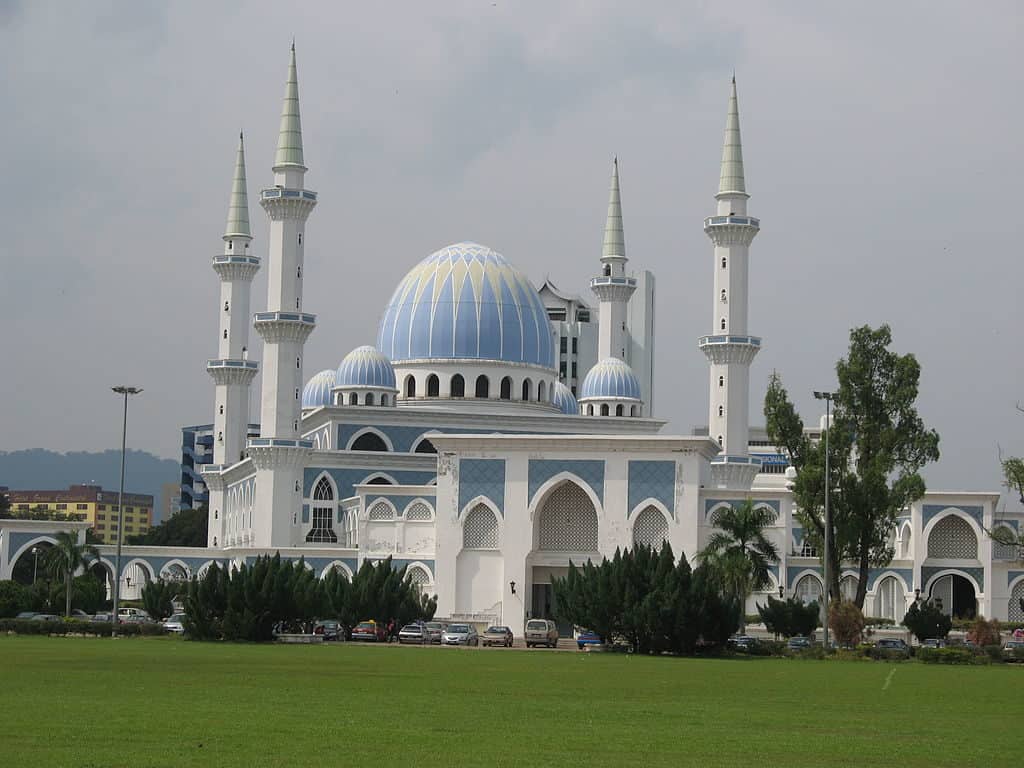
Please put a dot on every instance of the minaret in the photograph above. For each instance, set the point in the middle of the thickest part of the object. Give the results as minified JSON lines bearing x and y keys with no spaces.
{"x":612,"y":287}
{"x":232,"y":371}
{"x":730,"y":349}
{"x":279,"y":454}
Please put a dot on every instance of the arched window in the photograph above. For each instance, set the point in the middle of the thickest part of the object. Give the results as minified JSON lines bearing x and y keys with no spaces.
{"x":1000,"y":550}
{"x":542,"y":392}
{"x":908,"y":541}
{"x":721,"y":411}
{"x":353,"y":398}
{"x":419,"y":512}
{"x":379,"y":480}
{"x":885,"y":599}
{"x":723,"y":296}
{"x":650,"y":528}
{"x":725,"y":262}
{"x":225,"y":333}
{"x":721,"y":381}
{"x":720,"y":441}
{"x":619,"y":410}
{"x":369,"y":398}
{"x":808,"y":590}
{"x":418,"y":577}
{"x":410,"y":386}
{"x":369,"y":441}
{"x":226,"y":306}
{"x":723,"y":323}
{"x":848,"y":588}
{"x":607,"y":270}
{"x":480,"y":528}
{"x":433,"y":386}
{"x":381,"y":510}
{"x":383,"y":399}
{"x":1017,"y":602}
{"x":604,"y":409}
{"x":567,"y":521}
{"x":632,"y":411}
{"x":458,"y":386}
{"x":322,"y":530}
{"x":483,"y":386}
{"x":527,"y":390}
{"x":506,"y":388}
{"x":590,"y":410}
{"x":424,"y":446}
{"x":953,"y":538}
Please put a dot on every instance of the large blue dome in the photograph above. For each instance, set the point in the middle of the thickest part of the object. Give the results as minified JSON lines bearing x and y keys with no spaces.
{"x":564,"y":400}
{"x":365,"y":367}
{"x":466,"y":302}
{"x":317,"y":391}
{"x":611,"y":379}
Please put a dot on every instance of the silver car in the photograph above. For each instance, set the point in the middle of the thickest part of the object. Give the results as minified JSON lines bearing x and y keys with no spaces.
{"x":434,"y":631}
{"x":175,"y":623}
{"x":460,"y":634}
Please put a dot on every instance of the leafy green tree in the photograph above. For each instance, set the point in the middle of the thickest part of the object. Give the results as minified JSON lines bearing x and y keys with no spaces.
{"x":14,"y":598}
{"x":88,"y":593}
{"x":927,"y":621}
{"x":738,"y":553}
{"x":65,"y":558}
{"x":158,"y":596}
{"x":878,"y":444}
{"x":846,"y":621}
{"x":206,"y":603}
{"x":789,"y":618}
{"x":185,"y":528}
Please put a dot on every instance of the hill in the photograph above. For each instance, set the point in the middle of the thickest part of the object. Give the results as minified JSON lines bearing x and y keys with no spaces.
{"x":40,"y":469}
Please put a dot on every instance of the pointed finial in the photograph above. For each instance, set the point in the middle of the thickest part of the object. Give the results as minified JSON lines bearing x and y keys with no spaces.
{"x":238,"y":207}
{"x":731,"y":179}
{"x":614,"y":239}
{"x":289,"y":139}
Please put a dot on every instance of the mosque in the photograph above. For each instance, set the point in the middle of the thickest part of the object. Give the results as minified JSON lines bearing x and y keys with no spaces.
{"x":494,"y":432}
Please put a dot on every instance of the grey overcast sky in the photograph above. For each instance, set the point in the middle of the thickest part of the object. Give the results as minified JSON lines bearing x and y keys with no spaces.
{"x":882,"y":149}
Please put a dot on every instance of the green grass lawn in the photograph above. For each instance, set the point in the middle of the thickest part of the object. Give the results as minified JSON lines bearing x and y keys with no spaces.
{"x":166,"y":702}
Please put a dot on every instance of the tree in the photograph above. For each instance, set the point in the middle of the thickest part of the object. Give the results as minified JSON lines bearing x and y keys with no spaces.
{"x":877,"y":444}
{"x":927,"y":621}
{"x":158,"y":597}
{"x":847,"y":622}
{"x":14,"y":598}
{"x":739,"y":554}
{"x":984,"y":632}
{"x":185,"y":528}
{"x":65,"y":558}
{"x":790,"y":618}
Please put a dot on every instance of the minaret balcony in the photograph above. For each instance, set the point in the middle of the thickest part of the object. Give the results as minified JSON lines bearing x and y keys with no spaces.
{"x":279,"y":192}
{"x":721,"y":221}
{"x":609,"y":288}
{"x":282,"y":203}
{"x":227,"y":371}
{"x":230,"y":267}
{"x":284,"y":326}
{"x":734,"y":473}
{"x":729,"y":349}
{"x":731,"y":230}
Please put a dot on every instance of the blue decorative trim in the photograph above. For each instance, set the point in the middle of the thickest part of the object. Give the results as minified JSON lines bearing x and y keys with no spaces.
{"x":874,"y":574}
{"x":305,"y":513}
{"x":590,"y":471}
{"x":1008,"y":523}
{"x":928,"y":511}
{"x":345,"y":479}
{"x":794,"y":571}
{"x":652,"y":480}
{"x":482,"y":477}
{"x":1011,"y":575}
{"x":928,"y":571}
{"x":400,"y":502}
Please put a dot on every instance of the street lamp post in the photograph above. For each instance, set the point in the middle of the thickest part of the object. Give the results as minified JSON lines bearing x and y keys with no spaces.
{"x":124,"y":391}
{"x":35,"y":564}
{"x":828,"y":397}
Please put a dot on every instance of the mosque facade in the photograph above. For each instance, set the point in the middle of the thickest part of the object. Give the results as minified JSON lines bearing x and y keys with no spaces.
{"x":469,"y":443}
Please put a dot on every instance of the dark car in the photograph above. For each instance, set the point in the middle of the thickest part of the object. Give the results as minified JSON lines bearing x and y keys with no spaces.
{"x":369,"y":631}
{"x":330,"y":629}
{"x":742,"y":643}
{"x":798,"y":643}
{"x":893,"y":647}
{"x":1013,"y":650}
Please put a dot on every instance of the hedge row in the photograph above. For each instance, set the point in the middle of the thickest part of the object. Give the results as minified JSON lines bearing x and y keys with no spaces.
{"x":73,"y":627}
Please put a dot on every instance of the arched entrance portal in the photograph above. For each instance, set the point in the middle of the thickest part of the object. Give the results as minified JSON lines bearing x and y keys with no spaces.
{"x":955,"y":595}
{"x":30,"y":567}
{"x":565,"y":529}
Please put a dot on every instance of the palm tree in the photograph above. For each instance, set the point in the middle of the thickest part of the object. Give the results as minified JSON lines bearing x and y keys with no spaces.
{"x":738,"y":552}
{"x":65,"y":558}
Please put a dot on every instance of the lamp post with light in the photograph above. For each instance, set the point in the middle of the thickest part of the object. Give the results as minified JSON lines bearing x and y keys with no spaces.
{"x":828,"y":397}
{"x":124,"y":391}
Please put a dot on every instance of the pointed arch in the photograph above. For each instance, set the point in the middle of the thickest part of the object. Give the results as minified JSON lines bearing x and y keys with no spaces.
{"x":457,"y":386}
{"x":506,"y":388}
{"x":381,"y":509}
{"x":383,"y":440}
{"x":542,"y":392}
{"x":483,"y":387}
{"x":566,"y":516}
{"x":953,"y":535}
{"x":410,"y":386}
{"x":433,"y":385}
{"x":480,"y":527}
{"x":175,"y":570}
{"x":336,"y":565}
{"x":650,"y":527}
{"x":420,"y":574}
{"x":527,"y":390}
{"x":419,"y":510}
{"x":378,"y":478}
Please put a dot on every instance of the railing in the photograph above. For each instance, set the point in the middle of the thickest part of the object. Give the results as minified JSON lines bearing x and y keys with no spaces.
{"x":719,"y":221}
{"x":225,"y":259}
{"x":252,"y":365}
{"x":280,"y":192}
{"x":754,"y":341}
{"x":278,"y":442}
{"x":294,"y":317}
{"x":609,"y":280}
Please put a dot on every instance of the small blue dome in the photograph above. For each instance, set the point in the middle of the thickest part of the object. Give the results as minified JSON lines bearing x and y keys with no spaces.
{"x":564,"y":400}
{"x":365,"y":367}
{"x":466,"y":302}
{"x":611,"y":378}
{"x":317,"y":391}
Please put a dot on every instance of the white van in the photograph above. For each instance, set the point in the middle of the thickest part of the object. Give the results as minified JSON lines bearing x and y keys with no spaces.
{"x":541,"y":632}
{"x":132,"y":616}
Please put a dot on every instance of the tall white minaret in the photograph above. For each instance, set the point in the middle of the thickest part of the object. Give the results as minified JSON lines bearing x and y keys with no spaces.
{"x":279,"y":454}
{"x":232,"y":372}
{"x":612,"y":287}
{"x":729,"y":348}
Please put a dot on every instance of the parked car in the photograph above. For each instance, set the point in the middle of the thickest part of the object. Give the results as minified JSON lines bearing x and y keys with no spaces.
{"x":585,"y":637}
{"x":132,"y":616}
{"x":434,"y":631}
{"x":933,"y":642}
{"x":103,"y":617}
{"x":175,"y":623}
{"x":369,"y":631}
{"x":45,"y":617}
{"x":1013,"y":650}
{"x":742,"y":643}
{"x":460,"y":634}
{"x":26,"y":615}
{"x":798,"y":643}
{"x":413,"y":633}
{"x":80,"y":615}
{"x":497,"y":635}
{"x":541,"y":632}
{"x":894,"y":646}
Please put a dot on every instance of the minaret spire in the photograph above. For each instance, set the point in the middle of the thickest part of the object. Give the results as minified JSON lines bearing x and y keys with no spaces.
{"x":731,"y":180}
{"x":289,"y":138}
{"x":614,"y":240}
{"x":238,"y":209}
